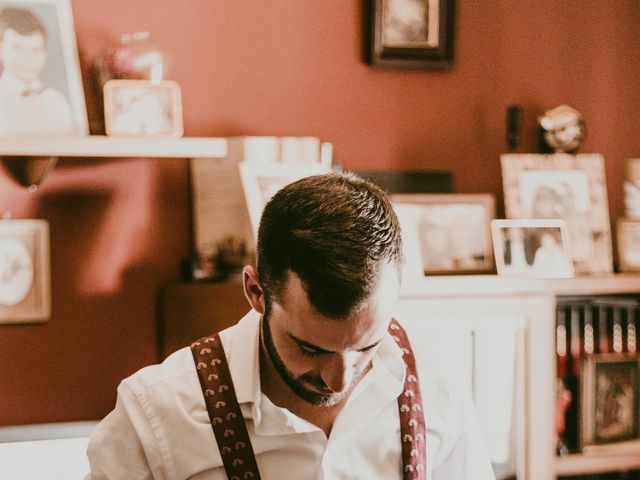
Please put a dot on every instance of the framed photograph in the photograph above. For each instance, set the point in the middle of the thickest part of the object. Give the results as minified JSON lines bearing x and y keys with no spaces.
{"x":143,"y":108}
{"x":446,"y":233}
{"x":41,"y":88}
{"x":628,"y":243}
{"x":532,"y":248}
{"x":610,"y":400}
{"x":567,"y":187}
{"x":25,"y":295}
{"x":411,"y":33}
{"x":261,"y":182}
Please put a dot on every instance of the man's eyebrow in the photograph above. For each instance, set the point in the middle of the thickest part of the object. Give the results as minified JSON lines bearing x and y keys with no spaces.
{"x":318,"y":349}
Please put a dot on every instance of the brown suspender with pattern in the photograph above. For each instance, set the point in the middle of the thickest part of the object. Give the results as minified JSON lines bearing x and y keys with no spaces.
{"x":230,"y":429}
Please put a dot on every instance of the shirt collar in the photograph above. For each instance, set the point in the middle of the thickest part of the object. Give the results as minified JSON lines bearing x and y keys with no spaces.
{"x":11,"y":83}
{"x":386,"y":376}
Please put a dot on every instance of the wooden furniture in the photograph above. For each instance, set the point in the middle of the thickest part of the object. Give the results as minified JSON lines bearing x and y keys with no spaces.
{"x":192,"y":310}
{"x":443,"y":300}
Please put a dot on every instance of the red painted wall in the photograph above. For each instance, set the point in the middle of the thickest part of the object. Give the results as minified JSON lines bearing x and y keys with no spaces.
{"x":119,"y":228}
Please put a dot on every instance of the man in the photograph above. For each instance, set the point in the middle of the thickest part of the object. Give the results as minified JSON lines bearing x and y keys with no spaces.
{"x":26,"y":104}
{"x":323,"y":390}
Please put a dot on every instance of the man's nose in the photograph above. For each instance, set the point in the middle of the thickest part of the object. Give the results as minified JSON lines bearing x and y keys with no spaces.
{"x":337,"y":373}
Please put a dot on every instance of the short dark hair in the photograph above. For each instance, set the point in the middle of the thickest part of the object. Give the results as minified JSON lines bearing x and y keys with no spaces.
{"x":335,"y":232}
{"x":21,"y":20}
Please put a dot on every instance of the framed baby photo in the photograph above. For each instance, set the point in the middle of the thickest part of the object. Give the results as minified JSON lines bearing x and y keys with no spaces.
{"x":261,"y":182}
{"x":628,"y":243}
{"x":39,"y":70}
{"x":532,"y":248}
{"x":25,"y":295}
{"x":610,"y":400}
{"x":446,"y":233}
{"x":410,"y":33}
{"x":567,"y":187}
{"x":143,"y":108}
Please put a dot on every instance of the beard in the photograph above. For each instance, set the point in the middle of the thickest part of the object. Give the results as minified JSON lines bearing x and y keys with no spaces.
{"x":306,"y":386}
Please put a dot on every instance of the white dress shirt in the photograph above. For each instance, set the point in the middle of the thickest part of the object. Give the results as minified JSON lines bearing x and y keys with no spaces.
{"x":160,"y":427}
{"x":32,"y":108}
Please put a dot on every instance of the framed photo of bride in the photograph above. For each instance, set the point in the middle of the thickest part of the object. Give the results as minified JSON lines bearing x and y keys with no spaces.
{"x":25,"y":295}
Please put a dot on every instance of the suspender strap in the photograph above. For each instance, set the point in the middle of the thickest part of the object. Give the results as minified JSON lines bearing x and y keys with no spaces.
{"x":231,"y":432}
{"x":226,"y":419}
{"x":412,"y":423}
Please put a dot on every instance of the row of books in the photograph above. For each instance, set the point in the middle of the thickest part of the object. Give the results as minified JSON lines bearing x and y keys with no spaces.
{"x":588,"y":327}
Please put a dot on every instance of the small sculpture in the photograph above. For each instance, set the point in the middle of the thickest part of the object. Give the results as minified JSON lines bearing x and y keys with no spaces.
{"x":564,"y":129}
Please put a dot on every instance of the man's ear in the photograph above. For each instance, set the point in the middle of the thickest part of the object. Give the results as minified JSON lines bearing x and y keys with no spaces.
{"x":252,"y":289}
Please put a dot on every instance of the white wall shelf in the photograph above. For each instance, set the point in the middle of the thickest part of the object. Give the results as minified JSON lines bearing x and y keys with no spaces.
{"x":30,"y":146}
{"x":500,"y":286}
{"x":587,"y":465}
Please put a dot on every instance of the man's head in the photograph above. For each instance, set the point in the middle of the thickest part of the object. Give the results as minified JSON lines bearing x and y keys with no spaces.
{"x":329,"y":260}
{"x":22,"y":44}
{"x":333,"y":231}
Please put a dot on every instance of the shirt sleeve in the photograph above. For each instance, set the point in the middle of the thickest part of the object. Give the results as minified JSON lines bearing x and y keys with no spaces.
{"x":124,"y":445}
{"x":466,"y":459}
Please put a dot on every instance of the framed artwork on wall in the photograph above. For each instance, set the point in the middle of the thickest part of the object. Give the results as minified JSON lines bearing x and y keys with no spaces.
{"x":25,"y":282}
{"x":411,"y":33}
{"x":567,"y":187}
{"x":610,"y":397}
{"x":41,"y":88}
{"x":143,"y":108}
{"x":532,"y":248}
{"x":446,"y":233}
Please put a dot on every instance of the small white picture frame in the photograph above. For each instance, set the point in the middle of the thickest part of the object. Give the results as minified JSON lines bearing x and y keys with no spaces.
{"x":142,"y":108}
{"x":532,"y":248}
{"x":261,"y":182}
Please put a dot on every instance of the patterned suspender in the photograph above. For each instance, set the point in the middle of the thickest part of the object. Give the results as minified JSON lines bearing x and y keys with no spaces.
{"x":412,"y":425}
{"x":224,"y":411}
{"x":230,"y":429}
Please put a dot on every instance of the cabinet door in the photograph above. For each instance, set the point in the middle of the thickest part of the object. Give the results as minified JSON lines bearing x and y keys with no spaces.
{"x":501,"y":352}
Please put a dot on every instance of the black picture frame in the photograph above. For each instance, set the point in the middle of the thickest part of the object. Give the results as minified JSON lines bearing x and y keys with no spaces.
{"x":424,"y":41}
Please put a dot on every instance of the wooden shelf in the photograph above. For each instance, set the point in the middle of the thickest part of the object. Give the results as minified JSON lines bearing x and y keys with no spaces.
{"x":103,"y":146}
{"x":584,"y":465}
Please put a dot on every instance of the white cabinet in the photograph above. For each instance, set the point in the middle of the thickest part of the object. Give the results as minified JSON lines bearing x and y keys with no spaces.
{"x":521,"y":313}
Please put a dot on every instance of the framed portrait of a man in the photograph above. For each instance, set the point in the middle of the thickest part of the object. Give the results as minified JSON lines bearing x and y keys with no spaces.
{"x":40,"y":82}
{"x":566,"y":187}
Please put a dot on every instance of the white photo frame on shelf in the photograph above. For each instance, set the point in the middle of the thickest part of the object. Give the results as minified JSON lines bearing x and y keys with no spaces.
{"x":445,"y":233}
{"x":532,"y":248}
{"x":48,"y":96}
{"x":143,"y":108}
{"x":567,"y":187}
{"x":261,"y":182}
{"x":25,"y":280}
